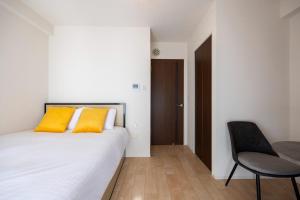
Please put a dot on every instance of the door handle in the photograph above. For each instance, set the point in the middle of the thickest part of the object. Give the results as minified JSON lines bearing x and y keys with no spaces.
{"x":180,"y":105}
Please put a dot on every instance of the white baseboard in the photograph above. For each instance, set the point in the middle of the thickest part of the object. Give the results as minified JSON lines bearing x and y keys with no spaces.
{"x":247,"y":177}
{"x":234,"y":177}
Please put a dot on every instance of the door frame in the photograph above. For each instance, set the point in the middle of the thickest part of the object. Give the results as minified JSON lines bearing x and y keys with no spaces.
{"x":183,"y":99}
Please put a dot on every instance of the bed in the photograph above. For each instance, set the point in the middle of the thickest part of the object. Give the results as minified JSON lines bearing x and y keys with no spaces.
{"x":62,"y":166}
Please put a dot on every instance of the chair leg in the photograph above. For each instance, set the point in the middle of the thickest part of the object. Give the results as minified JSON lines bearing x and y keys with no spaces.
{"x":295,"y":188}
{"x":231,"y":173}
{"x":258,"y":193}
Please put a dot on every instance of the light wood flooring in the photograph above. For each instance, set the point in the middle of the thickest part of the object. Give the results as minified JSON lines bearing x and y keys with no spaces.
{"x":174,"y":172}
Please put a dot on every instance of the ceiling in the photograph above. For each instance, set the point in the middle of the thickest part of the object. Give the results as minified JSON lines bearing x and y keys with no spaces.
{"x":170,"y":20}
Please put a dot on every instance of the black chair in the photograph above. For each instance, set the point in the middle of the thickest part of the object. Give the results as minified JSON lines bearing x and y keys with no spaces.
{"x":252,"y":151}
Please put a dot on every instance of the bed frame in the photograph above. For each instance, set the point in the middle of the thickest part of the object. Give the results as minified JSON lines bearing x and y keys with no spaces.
{"x":120,"y":121}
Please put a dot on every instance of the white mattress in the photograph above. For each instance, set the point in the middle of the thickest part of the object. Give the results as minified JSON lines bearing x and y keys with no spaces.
{"x":42,"y":166}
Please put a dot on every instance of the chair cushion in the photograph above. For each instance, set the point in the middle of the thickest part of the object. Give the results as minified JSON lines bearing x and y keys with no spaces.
{"x":289,"y":149}
{"x":268,"y":164}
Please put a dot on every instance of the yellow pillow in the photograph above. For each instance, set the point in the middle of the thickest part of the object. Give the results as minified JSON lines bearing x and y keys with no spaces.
{"x":55,"y":120}
{"x":91,"y":120}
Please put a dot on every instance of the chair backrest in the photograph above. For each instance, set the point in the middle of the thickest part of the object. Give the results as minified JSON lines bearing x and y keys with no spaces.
{"x":247,"y":137}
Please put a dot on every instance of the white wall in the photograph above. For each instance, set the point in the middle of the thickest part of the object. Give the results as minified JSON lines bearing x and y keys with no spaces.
{"x":175,"y":50}
{"x":94,"y":64}
{"x":18,"y":8}
{"x":251,"y":75}
{"x":170,"y":50}
{"x":287,"y":7}
{"x":294,"y":76}
{"x":205,"y":28}
{"x":23,"y":71}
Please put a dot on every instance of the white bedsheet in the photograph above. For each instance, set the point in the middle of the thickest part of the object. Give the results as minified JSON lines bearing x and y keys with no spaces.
{"x":44,"y":166}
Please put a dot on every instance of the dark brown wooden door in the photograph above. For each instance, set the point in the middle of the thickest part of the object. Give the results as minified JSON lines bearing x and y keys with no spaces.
{"x":203,"y":57}
{"x":166,"y":102}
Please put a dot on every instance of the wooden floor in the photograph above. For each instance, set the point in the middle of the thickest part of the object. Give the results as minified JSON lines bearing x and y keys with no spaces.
{"x":174,"y":172}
